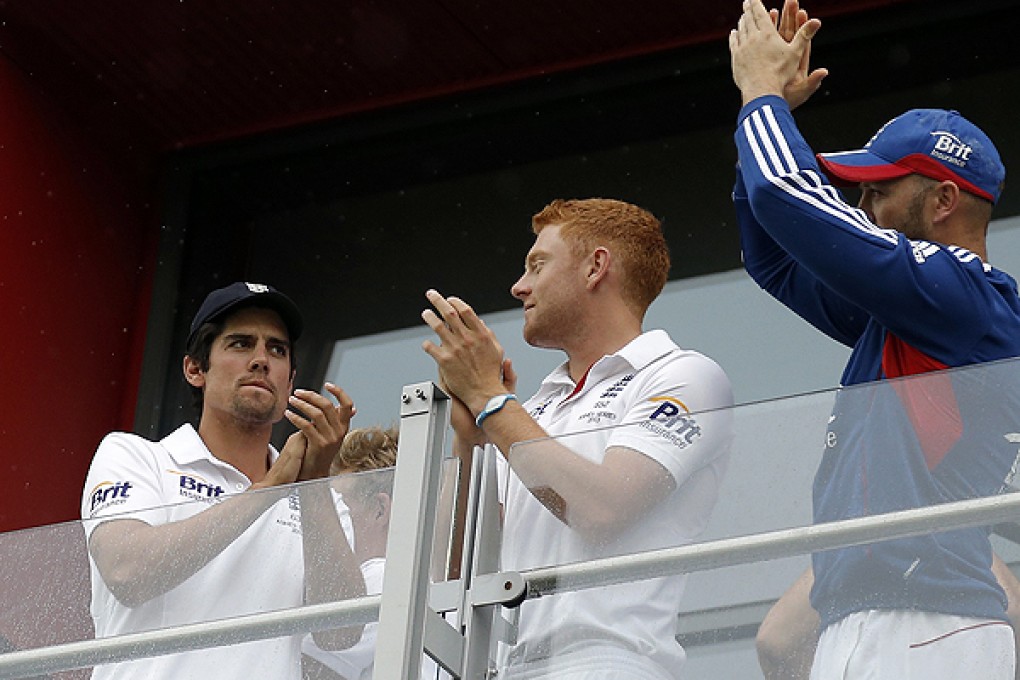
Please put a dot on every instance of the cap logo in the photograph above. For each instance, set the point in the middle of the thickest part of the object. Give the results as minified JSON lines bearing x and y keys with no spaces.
{"x":880,"y":131}
{"x":257,"y":287}
{"x":950,"y":149}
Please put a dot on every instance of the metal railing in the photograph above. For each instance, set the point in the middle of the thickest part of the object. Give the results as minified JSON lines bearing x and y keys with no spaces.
{"x":409,"y":606}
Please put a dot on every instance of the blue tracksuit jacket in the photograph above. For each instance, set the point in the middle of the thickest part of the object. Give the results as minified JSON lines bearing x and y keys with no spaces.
{"x":905,"y":307}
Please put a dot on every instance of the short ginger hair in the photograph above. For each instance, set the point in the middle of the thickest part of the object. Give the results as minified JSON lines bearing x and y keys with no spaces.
{"x":632,"y":234}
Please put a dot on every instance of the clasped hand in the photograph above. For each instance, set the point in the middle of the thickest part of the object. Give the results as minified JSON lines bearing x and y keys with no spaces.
{"x":770,"y":53}
{"x":322,"y":426}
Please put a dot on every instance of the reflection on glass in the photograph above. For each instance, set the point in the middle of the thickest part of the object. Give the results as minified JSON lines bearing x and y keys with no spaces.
{"x":629,"y":629}
{"x":955,"y":429}
{"x":898,"y":445}
{"x":366,"y":498}
{"x":44,"y":590}
{"x":364,"y":490}
{"x":893,"y":445}
{"x":222,"y":555}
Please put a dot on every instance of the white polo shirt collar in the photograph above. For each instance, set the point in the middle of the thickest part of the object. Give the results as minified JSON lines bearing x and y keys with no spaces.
{"x":186,"y":447}
{"x":635,"y":355}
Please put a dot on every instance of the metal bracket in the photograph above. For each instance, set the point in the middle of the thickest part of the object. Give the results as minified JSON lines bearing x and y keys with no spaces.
{"x":507,"y":588}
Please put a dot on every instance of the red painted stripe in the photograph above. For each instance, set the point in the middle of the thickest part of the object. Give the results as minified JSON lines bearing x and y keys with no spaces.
{"x":959,"y":630}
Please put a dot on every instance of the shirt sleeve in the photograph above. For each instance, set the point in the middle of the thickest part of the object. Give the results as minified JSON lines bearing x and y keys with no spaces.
{"x":123,"y":482}
{"x":922,"y":291}
{"x":772,"y":268}
{"x":682,"y":415}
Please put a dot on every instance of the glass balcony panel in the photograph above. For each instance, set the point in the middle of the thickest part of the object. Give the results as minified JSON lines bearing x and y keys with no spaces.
{"x":54,"y":593}
{"x":956,"y":433}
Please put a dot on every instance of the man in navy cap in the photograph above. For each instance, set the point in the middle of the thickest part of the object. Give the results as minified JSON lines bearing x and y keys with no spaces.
{"x":903,"y":279}
{"x":172,"y":538}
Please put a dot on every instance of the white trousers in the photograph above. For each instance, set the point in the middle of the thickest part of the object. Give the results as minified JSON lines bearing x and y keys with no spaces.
{"x":589,"y":662}
{"x":910,"y":645}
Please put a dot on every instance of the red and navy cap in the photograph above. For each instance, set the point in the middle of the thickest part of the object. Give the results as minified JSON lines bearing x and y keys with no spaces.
{"x":229,"y":298}
{"x":936,"y":143}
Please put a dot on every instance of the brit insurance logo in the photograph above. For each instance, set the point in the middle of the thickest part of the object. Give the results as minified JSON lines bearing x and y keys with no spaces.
{"x":950,"y":149}
{"x":195,"y":488}
{"x":671,"y":420}
{"x":108,"y":494}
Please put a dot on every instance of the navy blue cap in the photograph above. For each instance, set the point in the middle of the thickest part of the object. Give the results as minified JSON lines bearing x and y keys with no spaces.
{"x":936,"y":143}
{"x":241,"y":294}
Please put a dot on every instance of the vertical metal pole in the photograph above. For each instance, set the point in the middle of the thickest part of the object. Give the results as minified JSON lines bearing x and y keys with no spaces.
{"x":424,"y":418}
{"x":481,"y":556}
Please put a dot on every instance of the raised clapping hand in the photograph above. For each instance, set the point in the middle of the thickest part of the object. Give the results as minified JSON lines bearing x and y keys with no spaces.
{"x":805,"y":82}
{"x":767,"y":59}
{"x":469,"y":357}
{"x":321,"y":426}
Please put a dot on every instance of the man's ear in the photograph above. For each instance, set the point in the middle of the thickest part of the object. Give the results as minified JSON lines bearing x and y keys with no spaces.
{"x":947,"y":200}
{"x":193,"y":373}
{"x":598,"y":266}
{"x":382,"y":508}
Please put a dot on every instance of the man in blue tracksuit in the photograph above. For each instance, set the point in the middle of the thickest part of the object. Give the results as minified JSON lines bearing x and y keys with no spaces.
{"x":903,"y":279}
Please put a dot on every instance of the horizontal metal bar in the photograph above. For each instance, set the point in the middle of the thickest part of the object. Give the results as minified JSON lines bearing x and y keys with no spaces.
{"x":88,"y":653}
{"x":608,"y":571}
{"x":772,"y":545}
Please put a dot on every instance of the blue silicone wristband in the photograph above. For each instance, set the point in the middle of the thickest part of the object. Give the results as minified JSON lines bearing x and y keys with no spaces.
{"x":494,"y":405}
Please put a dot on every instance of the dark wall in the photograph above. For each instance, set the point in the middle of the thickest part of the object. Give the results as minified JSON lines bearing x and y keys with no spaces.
{"x":356,"y":219}
{"x":73,"y":296}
